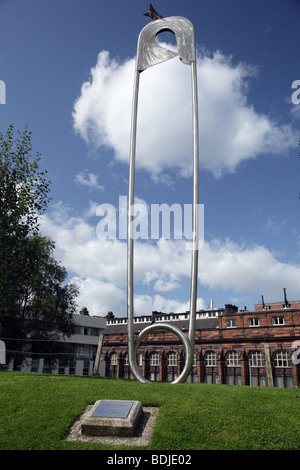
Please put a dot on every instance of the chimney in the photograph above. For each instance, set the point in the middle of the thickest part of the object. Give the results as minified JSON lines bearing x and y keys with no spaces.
{"x":230,"y":309}
{"x":285,"y":298}
{"x":84,"y":311}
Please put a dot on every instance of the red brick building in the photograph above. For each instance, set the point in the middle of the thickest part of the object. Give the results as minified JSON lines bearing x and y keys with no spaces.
{"x":231,"y":347}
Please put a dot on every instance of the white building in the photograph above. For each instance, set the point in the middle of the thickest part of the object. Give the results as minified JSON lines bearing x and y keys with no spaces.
{"x":88,"y":334}
{"x":88,"y":331}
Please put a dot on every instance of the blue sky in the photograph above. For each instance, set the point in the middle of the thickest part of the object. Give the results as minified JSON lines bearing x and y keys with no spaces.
{"x":68,"y":70}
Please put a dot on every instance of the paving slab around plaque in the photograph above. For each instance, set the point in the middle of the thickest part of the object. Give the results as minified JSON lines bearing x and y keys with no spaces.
{"x":141,"y":437}
{"x":112,"y":418}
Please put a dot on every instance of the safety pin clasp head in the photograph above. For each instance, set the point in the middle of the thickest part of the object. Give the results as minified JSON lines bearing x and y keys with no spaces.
{"x":150,"y":53}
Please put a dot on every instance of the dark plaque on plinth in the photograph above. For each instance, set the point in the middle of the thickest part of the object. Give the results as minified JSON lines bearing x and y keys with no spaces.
{"x":112,"y":418}
{"x":112,"y":409}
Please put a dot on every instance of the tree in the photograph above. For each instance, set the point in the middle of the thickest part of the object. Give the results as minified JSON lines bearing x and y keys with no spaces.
{"x":24,"y":190}
{"x":36,"y":307}
{"x":44,"y":312}
{"x":24,"y":195}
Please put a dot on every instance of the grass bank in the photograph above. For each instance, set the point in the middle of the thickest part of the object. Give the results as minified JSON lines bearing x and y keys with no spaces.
{"x":36,"y":411}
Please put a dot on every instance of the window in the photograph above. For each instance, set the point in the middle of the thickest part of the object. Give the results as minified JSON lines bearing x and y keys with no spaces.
{"x":140,"y":359}
{"x":195,"y":360}
{"x":211,"y":359}
{"x":282,"y":359}
{"x":231,"y":323}
{"x":256,"y":359}
{"x":172,"y":359}
{"x":154,"y":376}
{"x":171,"y":376}
{"x":233,"y":359}
{"x":258,"y":380}
{"x":212,"y":314}
{"x":277,"y":321}
{"x":253,"y":322}
{"x":126,"y":360}
{"x":154,"y":359}
{"x":114,"y":359}
{"x":211,"y":379}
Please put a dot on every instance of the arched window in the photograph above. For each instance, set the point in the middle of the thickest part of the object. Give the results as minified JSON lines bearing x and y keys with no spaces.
{"x":154,"y":364}
{"x":256,"y":359}
{"x":211,"y":359}
{"x":233,"y":359}
{"x":282,"y":374}
{"x":211,"y":368}
{"x":257,"y":375}
{"x":233,"y":363}
{"x":114,"y":359}
{"x":172,"y":359}
{"x":282,"y":359}
{"x":154,"y":359}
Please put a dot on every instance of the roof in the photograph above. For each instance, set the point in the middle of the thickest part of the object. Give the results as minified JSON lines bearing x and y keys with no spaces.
{"x":201,"y":324}
{"x":93,"y":322}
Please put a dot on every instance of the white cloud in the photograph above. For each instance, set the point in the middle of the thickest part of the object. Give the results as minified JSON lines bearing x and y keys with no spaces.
{"x":229,"y":266}
{"x":146,"y":304}
{"x":165,"y":286}
{"x":99,"y":267}
{"x":231,"y":131}
{"x":274,"y":224}
{"x":82,"y":253}
{"x":161,"y":304}
{"x":100,"y":297}
{"x":89,"y":179}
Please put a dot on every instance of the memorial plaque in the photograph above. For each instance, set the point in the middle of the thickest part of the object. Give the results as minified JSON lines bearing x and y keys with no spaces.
{"x":112,"y":409}
{"x":112,"y":418}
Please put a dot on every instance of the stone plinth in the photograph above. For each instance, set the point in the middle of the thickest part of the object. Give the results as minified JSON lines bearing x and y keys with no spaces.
{"x":112,"y":418}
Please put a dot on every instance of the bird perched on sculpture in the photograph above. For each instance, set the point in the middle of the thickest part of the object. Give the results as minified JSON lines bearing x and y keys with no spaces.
{"x":153,"y":13}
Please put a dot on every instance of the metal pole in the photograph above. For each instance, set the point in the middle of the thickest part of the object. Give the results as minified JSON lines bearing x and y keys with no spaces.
{"x":130,"y":251}
{"x":194,"y":273}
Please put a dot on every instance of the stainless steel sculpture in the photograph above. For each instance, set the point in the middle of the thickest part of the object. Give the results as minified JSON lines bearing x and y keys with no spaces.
{"x":150,"y":53}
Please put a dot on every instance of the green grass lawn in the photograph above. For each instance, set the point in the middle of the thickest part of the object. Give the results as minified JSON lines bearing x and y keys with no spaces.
{"x":36,"y":411}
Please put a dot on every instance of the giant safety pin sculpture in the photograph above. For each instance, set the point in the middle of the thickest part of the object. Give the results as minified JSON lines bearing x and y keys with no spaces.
{"x":150,"y":53}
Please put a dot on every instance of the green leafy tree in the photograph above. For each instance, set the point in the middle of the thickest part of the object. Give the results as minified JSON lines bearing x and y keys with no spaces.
{"x":36,"y":307}
{"x":24,"y":195}
{"x":44,"y":312}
